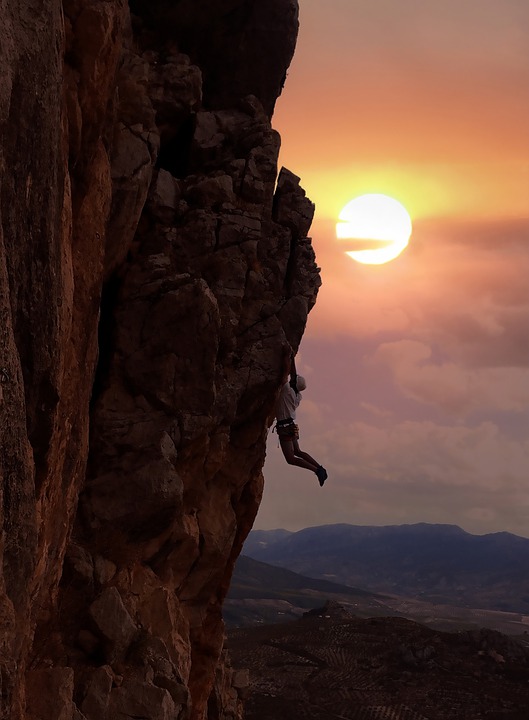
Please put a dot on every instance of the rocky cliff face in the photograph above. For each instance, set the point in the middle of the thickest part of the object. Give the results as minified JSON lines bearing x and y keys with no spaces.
{"x":152,"y":274}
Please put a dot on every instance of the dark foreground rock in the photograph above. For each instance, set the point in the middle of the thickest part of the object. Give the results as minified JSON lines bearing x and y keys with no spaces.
{"x":154,"y":271}
{"x":325,"y":666}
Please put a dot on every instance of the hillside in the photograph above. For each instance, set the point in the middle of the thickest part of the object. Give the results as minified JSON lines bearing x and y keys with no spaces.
{"x":265,"y":594}
{"x":329,"y":666}
{"x":436,"y":563}
{"x":262,"y":593}
{"x":257,"y":579}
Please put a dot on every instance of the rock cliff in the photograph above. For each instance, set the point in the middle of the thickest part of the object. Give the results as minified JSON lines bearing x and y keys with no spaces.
{"x":153,"y":270}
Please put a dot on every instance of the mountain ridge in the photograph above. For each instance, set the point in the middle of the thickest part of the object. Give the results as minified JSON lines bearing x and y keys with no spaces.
{"x":442,"y":563}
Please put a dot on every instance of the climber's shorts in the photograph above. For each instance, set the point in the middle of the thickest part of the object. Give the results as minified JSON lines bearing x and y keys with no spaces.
{"x":287,"y":429}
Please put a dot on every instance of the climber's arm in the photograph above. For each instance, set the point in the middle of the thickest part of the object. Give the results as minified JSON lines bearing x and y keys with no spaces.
{"x":293,"y":374}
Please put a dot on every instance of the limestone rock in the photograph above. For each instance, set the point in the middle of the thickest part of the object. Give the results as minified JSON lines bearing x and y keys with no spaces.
{"x":80,"y":564}
{"x":97,"y":694}
{"x":113,"y":622}
{"x":152,"y":654}
{"x":255,"y":41}
{"x":88,"y":642}
{"x":104,"y":570}
{"x":51,"y":696}
{"x":164,"y":195}
{"x":175,"y":89}
{"x":136,"y":699}
{"x":152,"y":277}
{"x":241,"y":682}
{"x":292,"y":208}
{"x":226,"y":700}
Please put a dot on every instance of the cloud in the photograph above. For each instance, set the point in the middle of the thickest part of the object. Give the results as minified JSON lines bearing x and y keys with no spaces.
{"x":468,"y":300}
{"x":407,"y":472}
{"x":499,"y":339}
{"x":419,"y":367}
{"x":419,"y":388}
{"x":457,"y":390}
{"x":408,"y":453}
{"x":376,"y":410}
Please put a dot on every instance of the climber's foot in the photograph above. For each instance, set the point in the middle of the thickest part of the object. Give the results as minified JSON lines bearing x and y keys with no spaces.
{"x":321,"y":473}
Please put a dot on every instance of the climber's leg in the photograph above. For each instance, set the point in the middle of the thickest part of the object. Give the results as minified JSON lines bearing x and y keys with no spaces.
{"x":287,"y":446}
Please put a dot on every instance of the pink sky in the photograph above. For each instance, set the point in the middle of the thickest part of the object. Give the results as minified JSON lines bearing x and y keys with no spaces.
{"x":418,"y":380}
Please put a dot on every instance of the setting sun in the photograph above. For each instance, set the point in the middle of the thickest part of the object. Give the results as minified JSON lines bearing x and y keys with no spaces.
{"x":378,"y":225}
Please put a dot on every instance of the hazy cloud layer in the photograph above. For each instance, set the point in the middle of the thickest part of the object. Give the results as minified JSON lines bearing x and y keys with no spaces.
{"x":418,"y":392}
{"x":406,"y":472}
{"x":456,"y":389}
{"x":418,"y":370}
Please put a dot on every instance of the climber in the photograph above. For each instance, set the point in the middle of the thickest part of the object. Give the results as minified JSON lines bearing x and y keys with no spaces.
{"x":286,"y":427}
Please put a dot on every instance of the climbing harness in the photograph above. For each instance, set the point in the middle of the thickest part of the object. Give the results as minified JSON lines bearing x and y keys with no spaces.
{"x":287,"y":429}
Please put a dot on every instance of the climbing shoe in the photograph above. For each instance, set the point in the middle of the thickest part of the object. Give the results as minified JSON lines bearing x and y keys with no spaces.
{"x":321,"y":473}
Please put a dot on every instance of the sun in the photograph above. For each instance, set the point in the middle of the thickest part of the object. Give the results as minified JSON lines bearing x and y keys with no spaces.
{"x":378,"y":225}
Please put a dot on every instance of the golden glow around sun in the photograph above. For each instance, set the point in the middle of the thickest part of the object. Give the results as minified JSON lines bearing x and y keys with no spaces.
{"x":374,"y":220}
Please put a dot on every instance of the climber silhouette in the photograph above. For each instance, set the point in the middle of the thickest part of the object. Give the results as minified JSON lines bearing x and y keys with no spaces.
{"x":286,"y":427}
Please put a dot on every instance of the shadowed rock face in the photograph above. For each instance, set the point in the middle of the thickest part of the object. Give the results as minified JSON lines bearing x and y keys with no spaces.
{"x":152,"y":276}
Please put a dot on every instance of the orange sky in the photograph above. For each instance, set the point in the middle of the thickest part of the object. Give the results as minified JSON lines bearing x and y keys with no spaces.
{"x":426,"y":101}
{"x":418,"y":370}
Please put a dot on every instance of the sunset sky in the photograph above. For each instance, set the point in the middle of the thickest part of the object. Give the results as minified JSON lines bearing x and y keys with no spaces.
{"x":417,"y":370}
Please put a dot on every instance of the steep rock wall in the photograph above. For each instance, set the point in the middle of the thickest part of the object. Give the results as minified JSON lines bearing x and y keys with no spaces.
{"x":153,"y":274}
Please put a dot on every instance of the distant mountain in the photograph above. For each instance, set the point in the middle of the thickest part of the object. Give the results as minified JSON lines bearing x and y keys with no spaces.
{"x":437,"y":563}
{"x":252,"y":578}
{"x":260,"y":539}
{"x":262,"y":593}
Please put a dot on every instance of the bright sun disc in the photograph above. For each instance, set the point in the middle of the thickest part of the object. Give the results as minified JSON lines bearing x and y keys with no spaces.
{"x":375,"y":219}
